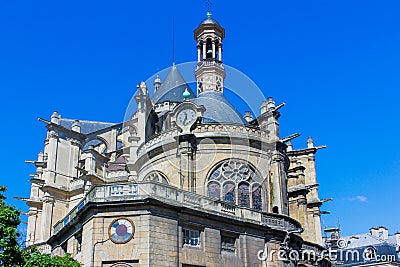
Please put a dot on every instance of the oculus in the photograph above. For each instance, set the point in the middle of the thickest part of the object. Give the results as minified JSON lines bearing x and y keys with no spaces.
{"x":121,"y":230}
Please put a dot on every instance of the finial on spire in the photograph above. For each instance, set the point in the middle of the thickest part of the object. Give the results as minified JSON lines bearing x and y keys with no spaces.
{"x":208,"y":3}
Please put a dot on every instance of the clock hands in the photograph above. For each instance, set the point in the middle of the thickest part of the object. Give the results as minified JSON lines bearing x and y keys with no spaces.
{"x":185,"y":118}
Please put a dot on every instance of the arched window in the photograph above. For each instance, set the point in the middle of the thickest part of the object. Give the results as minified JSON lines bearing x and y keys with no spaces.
{"x":229,"y":193}
{"x":214,"y":190}
{"x":236,"y":182}
{"x":256,"y":197}
{"x":156,"y":176}
{"x":275,"y":209}
{"x":244,"y":195}
{"x":209,"y":50}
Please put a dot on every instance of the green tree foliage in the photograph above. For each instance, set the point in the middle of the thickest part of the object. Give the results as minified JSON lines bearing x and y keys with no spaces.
{"x":11,"y":254}
{"x":33,"y":258}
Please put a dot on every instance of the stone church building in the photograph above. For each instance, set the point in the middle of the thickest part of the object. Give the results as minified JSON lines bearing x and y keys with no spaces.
{"x":186,"y":181}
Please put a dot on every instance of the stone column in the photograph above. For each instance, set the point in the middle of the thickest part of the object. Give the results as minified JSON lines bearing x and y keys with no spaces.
{"x":278,"y":182}
{"x":31,"y":231}
{"x":204,"y":50}
{"x":47,"y":216}
{"x":198,"y":53}
{"x":220,"y":52}
{"x":302,"y":210}
{"x":51,"y":147}
{"x":213,"y":49}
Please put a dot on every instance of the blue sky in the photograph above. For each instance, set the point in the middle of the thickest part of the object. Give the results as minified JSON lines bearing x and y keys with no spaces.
{"x":336,"y":64}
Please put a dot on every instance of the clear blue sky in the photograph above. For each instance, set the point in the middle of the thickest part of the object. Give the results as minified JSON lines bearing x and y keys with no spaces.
{"x":336,"y":64}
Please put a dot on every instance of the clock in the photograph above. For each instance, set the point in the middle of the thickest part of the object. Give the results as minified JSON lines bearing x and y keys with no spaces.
{"x":121,"y":230}
{"x":186,"y":117}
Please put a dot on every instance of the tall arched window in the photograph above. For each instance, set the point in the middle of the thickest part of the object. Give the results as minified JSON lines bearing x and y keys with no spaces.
{"x":244,"y":195}
{"x":236,"y":182}
{"x":214,"y":190}
{"x":256,"y":197}
{"x":229,"y":193}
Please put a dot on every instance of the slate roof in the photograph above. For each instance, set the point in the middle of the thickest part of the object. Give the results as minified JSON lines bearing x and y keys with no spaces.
{"x":209,"y":21}
{"x":218,"y":108}
{"x":367,"y":240}
{"x":361,"y":242}
{"x":86,"y":126}
{"x":172,"y":88}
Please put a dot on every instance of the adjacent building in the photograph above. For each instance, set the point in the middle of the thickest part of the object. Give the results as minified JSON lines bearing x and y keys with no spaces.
{"x":375,"y":248}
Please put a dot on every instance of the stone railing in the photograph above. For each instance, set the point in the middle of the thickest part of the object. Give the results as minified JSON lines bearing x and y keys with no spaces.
{"x":177,"y":197}
{"x":278,"y":221}
{"x":209,"y":63}
{"x":156,"y":140}
{"x":228,"y":128}
{"x":116,"y":174}
{"x":214,"y":129}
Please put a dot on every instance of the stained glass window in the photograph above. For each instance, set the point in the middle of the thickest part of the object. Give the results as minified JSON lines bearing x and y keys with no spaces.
{"x":229,"y":193}
{"x":231,"y":176}
{"x":244,"y":195}
{"x":256,"y":197}
{"x":214,"y":190}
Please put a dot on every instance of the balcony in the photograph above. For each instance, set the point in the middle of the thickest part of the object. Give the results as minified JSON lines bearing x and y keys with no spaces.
{"x":176,"y":197}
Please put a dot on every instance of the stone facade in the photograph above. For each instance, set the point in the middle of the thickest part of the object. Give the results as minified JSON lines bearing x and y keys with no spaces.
{"x":180,"y":183}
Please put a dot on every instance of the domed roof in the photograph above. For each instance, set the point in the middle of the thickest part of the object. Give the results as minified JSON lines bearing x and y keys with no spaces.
{"x":209,"y":21}
{"x":218,"y":108}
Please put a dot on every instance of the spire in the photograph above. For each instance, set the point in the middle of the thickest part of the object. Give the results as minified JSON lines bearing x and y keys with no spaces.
{"x":172,"y":87}
{"x":157,"y":83}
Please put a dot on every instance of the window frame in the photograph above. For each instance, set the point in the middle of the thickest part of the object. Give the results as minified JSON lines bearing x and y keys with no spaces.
{"x":191,"y":231}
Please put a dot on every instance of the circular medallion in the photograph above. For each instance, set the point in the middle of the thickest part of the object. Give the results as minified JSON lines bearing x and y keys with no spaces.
{"x":121,"y":230}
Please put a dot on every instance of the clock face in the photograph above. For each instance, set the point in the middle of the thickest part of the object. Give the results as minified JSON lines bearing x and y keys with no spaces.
{"x":121,"y":230}
{"x":186,"y":116}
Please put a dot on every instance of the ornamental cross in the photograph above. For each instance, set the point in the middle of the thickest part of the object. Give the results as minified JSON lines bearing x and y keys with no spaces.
{"x":208,"y":4}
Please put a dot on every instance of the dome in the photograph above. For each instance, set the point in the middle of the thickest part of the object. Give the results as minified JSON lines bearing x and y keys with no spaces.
{"x":218,"y":108}
{"x":209,"y":21}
